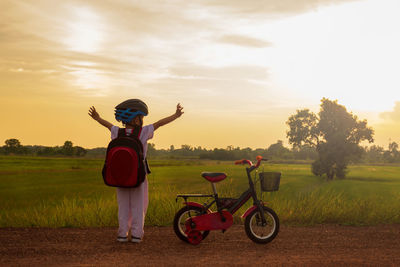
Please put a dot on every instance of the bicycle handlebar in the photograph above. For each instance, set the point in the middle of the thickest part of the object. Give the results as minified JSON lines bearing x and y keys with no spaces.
{"x":246,"y":161}
{"x":243,"y":161}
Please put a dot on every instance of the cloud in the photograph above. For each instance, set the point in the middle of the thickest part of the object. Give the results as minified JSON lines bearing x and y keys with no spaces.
{"x":140,"y":41}
{"x":220,"y":90}
{"x":133,"y":20}
{"x":219,"y":73}
{"x":272,"y":8}
{"x":393,"y":115}
{"x":136,"y":36}
{"x":246,"y":41}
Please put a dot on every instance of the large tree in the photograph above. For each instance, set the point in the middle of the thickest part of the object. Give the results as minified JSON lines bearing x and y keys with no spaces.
{"x":13,"y":146}
{"x":335,"y":134}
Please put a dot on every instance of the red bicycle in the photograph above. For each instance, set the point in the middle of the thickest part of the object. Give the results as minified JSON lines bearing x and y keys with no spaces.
{"x":194,"y":221}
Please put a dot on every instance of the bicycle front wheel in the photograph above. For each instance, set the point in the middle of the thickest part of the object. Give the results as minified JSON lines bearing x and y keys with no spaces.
{"x":258,"y":231}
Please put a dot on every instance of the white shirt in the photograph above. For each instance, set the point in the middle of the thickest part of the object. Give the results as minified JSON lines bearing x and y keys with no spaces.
{"x":146,"y":134}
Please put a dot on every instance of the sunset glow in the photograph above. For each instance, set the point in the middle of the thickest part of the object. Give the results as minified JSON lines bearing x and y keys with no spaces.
{"x":239,"y":68}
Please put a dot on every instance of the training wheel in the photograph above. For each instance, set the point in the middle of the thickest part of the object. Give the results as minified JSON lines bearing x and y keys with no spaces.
{"x":194,"y":237}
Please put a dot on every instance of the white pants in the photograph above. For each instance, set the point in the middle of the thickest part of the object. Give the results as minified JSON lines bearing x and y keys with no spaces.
{"x":132,"y":208}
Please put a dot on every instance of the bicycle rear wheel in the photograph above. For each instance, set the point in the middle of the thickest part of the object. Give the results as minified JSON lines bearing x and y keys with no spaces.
{"x":180,"y":218}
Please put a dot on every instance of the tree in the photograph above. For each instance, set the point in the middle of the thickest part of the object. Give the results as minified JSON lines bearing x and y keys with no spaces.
{"x":151,"y":149}
{"x":278,"y":151}
{"x":79,"y":151}
{"x":392,"y":154}
{"x":303,"y":129}
{"x":374,"y":154}
{"x":13,"y":146}
{"x":335,"y":134}
{"x":305,"y":152}
{"x":67,"y":148}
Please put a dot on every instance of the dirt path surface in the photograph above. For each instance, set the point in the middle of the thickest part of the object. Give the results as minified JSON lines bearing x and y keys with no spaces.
{"x":324,"y":245}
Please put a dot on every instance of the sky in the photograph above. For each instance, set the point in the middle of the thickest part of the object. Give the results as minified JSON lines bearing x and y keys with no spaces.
{"x":239,"y":68}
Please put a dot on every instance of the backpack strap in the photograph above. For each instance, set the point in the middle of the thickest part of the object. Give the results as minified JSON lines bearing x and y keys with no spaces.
{"x":146,"y":164}
{"x":136,"y":132}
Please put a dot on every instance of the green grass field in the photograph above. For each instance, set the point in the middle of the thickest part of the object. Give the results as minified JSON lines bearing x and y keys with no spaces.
{"x":66,"y":192}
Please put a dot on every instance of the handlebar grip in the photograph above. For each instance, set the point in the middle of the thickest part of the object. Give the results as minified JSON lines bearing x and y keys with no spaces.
{"x":243,"y":161}
{"x":260,"y":158}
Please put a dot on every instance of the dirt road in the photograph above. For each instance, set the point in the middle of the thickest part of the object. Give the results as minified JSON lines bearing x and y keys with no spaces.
{"x":327,"y":245}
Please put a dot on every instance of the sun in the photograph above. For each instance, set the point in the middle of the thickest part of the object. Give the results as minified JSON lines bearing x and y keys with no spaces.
{"x":83,"y":31}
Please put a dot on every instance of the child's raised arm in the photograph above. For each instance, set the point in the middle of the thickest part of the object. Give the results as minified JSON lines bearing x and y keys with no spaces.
{"x":169,"y":119}
{"x":93,"y":113}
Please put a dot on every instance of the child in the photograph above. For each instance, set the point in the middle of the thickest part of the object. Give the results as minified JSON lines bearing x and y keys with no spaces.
{"x":133,"y":202}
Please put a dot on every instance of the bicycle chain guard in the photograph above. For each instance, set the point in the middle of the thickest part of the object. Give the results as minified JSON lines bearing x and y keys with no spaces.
{"x":211,"y":221}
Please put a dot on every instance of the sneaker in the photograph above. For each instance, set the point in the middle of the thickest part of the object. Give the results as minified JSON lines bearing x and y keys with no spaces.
{"x":136,"y":239}
{"x":122,"y":239}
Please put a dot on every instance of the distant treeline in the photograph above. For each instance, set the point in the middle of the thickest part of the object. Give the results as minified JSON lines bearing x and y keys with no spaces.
{"x":277,"y":151}
{"x":14,"y":147}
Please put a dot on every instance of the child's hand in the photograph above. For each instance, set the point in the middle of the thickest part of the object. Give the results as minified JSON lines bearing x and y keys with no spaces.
{"x":167,"y":120}
{"x":93,"y":113}
{"x":179,"y":109}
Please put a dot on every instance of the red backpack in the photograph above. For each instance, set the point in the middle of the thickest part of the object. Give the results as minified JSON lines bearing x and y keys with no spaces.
{"x":124,"y":165}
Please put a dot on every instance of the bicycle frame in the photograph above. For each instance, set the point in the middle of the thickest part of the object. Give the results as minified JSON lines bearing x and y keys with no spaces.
{"x":244,"y":197}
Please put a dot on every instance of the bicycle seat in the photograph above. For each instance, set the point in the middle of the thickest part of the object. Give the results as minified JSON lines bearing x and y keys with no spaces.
{"x":214,"y":177}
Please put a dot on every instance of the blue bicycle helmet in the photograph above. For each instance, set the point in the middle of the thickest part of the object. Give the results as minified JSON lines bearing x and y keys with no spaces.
{"x":129,"y":109}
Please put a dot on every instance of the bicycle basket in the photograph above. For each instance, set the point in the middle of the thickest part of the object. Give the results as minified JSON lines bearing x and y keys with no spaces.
{"x":270,"y":181}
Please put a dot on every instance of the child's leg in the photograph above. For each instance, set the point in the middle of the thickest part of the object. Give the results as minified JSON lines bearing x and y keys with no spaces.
{"x":123,"y":198}
{"x":130,"y":216}
{"x":139,"y":202}
{"x":145,"y":196}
